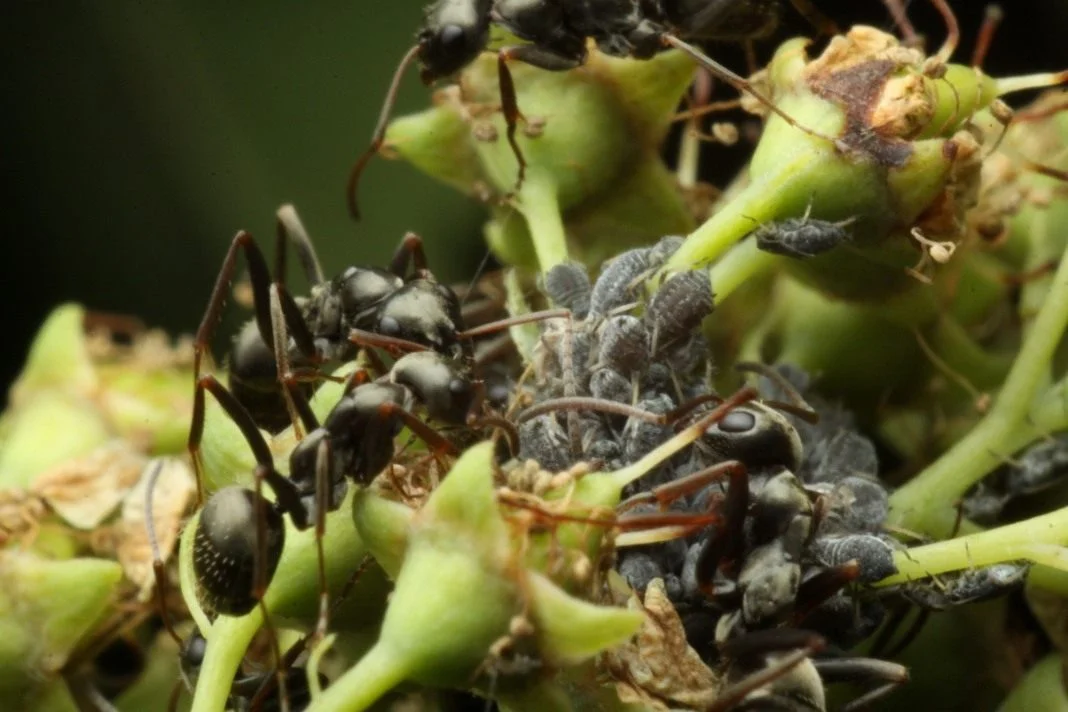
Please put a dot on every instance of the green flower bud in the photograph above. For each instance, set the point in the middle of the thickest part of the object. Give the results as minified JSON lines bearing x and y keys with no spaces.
{"x":898,"y":160}
{"x":597,"y":152}
{"x":41,"y":623}
{"x":463,"y":584}
{"x":47,"y":430}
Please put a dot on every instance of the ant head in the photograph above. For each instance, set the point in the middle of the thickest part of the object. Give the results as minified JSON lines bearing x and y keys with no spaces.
{"x":756,"y":435}
{"x":448,"y":48}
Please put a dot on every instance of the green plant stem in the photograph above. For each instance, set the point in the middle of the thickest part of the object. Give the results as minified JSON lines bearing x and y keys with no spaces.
{"x":740,"y":264}
{"x":926,"y":503}
{"x":228,"y":640}
{"x":1040,"y":689}
{"x":1040,"y":540}
{"x":361,"y":686}
{"x":756,"y":205}
{"x":540,"y":206}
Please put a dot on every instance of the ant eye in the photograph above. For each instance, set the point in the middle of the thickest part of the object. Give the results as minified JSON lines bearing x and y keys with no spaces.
{"x":389,"y":326}
{"x":458,"y":386}
{"x":451,"y":35}
{"x":738,"y":421}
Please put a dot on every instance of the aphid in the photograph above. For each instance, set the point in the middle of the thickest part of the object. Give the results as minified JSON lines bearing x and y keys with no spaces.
{"x":568,"y":286}
{"x":873,"y":554}
{"x":968,"y":586}
{"x":624,"y":345}
{"x":1039,"y":467}
{"x":801,"y":237}
{"x":944,"y":592}
{"x":455,"y":32}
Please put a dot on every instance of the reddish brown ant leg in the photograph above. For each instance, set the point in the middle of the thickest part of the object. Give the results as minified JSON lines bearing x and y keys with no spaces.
{"x":664,"y":495}
{"x":817,"y":589}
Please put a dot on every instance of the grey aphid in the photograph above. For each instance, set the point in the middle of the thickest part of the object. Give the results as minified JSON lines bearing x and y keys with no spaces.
{"x":678,"y":308}
{"x":568,"y":286}
{"x":801,"y":237}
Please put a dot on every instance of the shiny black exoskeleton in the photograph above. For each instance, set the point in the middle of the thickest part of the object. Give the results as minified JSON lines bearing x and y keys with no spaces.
{"x":555,"y":32}
{"x":290,"y":337}
{"x":240,"y":536}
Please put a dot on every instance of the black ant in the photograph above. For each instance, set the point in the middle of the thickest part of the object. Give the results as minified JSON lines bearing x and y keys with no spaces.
{"x":457,"y":31}
{"x":280,"y":350}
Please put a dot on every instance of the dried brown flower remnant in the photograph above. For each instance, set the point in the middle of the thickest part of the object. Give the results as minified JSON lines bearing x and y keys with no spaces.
{"x":86,"y":490}
{"x":657,"y":667}
{"x":172,"y":493}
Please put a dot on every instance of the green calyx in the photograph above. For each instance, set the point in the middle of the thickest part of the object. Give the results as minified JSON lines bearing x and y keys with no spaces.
{"x":465,"y":590}
{"x":579,"y":172}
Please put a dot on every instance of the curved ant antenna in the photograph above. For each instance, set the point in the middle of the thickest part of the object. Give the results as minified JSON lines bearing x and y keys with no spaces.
{"x":952,"y":31}
{"x":379,"y":134}
{"x":992,"y":18}
{"x":157,"y":559}
{"x":797,"y":404}
{"x":901,"y":19}
{"x":289,"y":226}
{"x":740,"y":84}
{"x":815,"y":17}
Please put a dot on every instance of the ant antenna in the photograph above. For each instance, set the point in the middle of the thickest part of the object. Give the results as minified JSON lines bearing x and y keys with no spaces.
{"x":992,"y":17}
{"x":157,"y":560}
{"x":740,"y":84}
{"x":901,"y":19}
{"x":952,"y":31}
{"x":814,"y":17}
{"x":797,"y":404}
{"x":379,"y":134}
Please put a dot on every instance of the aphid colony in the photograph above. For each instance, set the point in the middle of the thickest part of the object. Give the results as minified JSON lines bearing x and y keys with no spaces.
{"x":800,"y":533}
{"x":792,"y":490}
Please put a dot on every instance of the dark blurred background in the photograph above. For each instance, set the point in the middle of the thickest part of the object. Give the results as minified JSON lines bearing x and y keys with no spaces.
{"x":137,"y":137}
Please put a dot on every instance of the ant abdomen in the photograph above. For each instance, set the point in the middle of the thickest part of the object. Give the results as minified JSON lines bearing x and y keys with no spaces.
{"x":225,"y":550}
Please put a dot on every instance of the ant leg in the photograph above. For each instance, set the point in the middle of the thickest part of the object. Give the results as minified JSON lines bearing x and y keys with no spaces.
{"x":438,"y":444}
{"x":322,"y":503}
{"x":286,"y":492}
{"x":814,"y":17}
{"x":260,"y":278}
{"x":411,"y":251}
{"x":392,"y":344}
{"x":663,"y":495}
{"x":800,"y":644}
{"x":379,"y":134}
{"x":289,"y":226}
{"x":517,"y":320}
{"x":743,"y":85}
{"x":723,"y":548}
{"x":814,"y":591}
{"x":286,"y":316}
{"x":862,"y":669}
{"x":510,"y":109}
